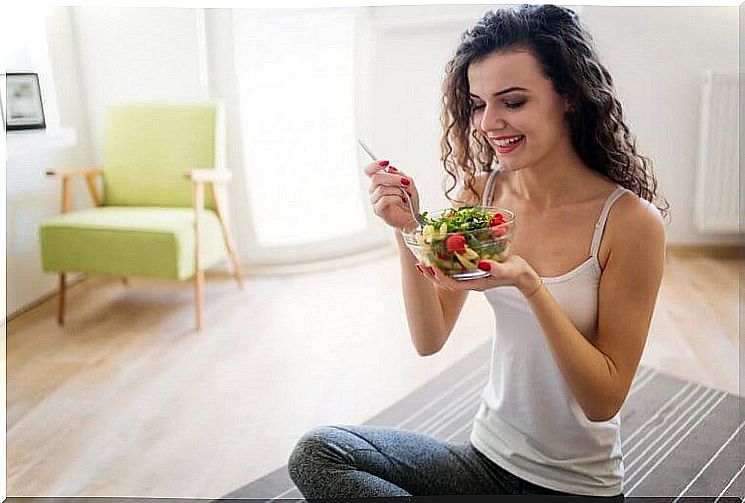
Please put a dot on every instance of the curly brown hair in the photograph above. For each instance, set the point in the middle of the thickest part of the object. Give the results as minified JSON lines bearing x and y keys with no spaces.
{"x":566,"y":53}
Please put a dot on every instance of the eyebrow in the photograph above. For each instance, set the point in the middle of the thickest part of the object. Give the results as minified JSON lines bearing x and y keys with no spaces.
{"x":503,"y":91}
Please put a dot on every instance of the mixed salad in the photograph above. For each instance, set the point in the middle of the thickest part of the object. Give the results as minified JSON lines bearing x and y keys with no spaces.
{"x":460,"y":237}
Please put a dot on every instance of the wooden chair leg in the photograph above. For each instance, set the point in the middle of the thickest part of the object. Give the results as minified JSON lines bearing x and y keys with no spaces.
{"x":237,"y":271}
{"x":227,"y":236}
{"x":198,"y":271}
{"x":198,"y":289}
{"x":61,"y":303}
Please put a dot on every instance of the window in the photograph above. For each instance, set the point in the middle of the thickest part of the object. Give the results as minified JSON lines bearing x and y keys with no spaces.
{"x":296,"y":76}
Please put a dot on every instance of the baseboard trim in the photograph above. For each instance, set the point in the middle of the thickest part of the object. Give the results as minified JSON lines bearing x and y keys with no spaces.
{"x":728,"y":252}
{"x":41,"y":300}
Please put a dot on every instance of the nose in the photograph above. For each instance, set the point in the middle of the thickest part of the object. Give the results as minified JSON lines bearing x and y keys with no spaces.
{"x":491,"y":119}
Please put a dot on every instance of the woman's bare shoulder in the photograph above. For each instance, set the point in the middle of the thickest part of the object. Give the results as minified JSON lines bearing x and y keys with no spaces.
{"x":633,"y":216}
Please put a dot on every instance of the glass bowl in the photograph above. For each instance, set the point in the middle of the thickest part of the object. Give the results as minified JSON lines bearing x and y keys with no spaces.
{"x":457,"y":256}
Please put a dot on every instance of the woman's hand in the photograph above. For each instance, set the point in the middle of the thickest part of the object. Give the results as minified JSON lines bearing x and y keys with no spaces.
{"x":514,"y":271}
{"x":386,"y":196}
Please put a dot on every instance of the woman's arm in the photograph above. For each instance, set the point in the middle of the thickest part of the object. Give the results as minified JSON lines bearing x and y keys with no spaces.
{"x":600,"y":373}
{"x":430,"y":311}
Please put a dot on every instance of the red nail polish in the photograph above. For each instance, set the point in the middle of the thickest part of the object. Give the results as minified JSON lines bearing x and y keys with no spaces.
{"x":392,"y":169}
{"x":408,"y":192}
{"x":383,"y":163}
{"x":484,"y":266}
{"x":405,"y":181}
{"x":419,"y":268}
{"x":403,"y":200}
{"x":431,"y":270}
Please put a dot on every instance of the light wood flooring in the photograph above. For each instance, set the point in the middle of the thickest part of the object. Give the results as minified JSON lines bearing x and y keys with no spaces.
{"x":126,"y":400}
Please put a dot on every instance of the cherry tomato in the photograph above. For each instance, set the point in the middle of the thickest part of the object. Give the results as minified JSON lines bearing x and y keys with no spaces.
{"x":456,"y":243}
{"x":499,"y":230}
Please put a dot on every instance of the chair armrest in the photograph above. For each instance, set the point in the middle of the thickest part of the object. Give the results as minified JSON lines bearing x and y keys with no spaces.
{"x":72,"y":172}
{"x":207,"y":176}
{"x":68,"y":174}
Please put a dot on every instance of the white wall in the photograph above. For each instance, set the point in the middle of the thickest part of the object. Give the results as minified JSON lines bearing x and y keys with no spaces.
{"x":137,"y":54}
{"x":31,"y":197}
{"x":657,"y":56}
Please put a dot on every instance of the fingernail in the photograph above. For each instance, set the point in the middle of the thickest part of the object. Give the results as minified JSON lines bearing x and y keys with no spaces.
{"x":484,"y":266}
{"x":419,"y":268}
{"x":383,"y":163}
{"x":405,"y":181}
{"x":392,"y":169}
{"x":431,"y":270}
{"x":403,"y":199}
{"x":408,"y":192}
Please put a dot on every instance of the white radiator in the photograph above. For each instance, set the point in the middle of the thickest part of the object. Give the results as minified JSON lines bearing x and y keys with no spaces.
{"x":717,"y":187}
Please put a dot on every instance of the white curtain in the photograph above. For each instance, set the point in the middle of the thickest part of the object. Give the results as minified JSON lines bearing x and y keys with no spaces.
{"x":297,"y":73}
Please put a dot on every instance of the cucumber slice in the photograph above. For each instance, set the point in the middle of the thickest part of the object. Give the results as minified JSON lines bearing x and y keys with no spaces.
{"x":470,"y":254}
{"x":443,"y":231}
{"x":467,"y":264}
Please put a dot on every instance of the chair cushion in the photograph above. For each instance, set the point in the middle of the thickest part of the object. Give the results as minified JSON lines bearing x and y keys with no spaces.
{"x":124,"y":241}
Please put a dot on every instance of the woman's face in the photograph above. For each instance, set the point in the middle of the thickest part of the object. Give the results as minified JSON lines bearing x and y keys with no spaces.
{"x":517,"y":109}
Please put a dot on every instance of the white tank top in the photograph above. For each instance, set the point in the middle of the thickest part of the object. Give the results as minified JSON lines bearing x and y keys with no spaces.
{"x":528,"y":421}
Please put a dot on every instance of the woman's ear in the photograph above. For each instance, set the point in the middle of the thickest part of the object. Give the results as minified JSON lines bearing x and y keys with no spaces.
{"x":567,"y":106}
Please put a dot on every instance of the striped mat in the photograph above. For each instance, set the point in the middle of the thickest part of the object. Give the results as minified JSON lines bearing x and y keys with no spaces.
{"x":679,"y":439}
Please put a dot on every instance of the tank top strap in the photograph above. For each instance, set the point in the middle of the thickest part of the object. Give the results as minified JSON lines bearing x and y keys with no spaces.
{"x":489,"y":187}
{"x":600,"y":225}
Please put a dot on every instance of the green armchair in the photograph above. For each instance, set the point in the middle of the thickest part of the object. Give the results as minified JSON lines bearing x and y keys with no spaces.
{"x":154,"y":219}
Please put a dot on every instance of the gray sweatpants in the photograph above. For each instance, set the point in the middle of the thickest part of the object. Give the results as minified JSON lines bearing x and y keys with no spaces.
{"x":343,"y":461}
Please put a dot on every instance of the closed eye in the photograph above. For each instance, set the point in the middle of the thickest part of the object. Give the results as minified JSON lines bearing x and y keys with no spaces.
{"x":514,"y":104}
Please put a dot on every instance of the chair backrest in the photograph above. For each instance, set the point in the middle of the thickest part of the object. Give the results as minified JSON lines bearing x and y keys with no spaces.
{"x":148,"y":147}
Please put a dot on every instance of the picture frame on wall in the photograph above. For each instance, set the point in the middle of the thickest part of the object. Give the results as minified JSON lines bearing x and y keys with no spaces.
{"x":24,"y":107}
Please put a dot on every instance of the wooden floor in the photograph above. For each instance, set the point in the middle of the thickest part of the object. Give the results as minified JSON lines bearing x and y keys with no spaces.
{"x":126,"y":400}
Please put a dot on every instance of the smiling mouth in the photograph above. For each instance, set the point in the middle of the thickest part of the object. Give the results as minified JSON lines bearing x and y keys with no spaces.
{"x":507,"y":145}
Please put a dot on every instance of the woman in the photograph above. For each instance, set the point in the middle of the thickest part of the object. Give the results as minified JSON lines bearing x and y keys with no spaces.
{"x":526,"y":92}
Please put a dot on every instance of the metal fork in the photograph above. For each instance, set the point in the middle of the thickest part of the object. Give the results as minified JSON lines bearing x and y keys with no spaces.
{"x":417,"y":216}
